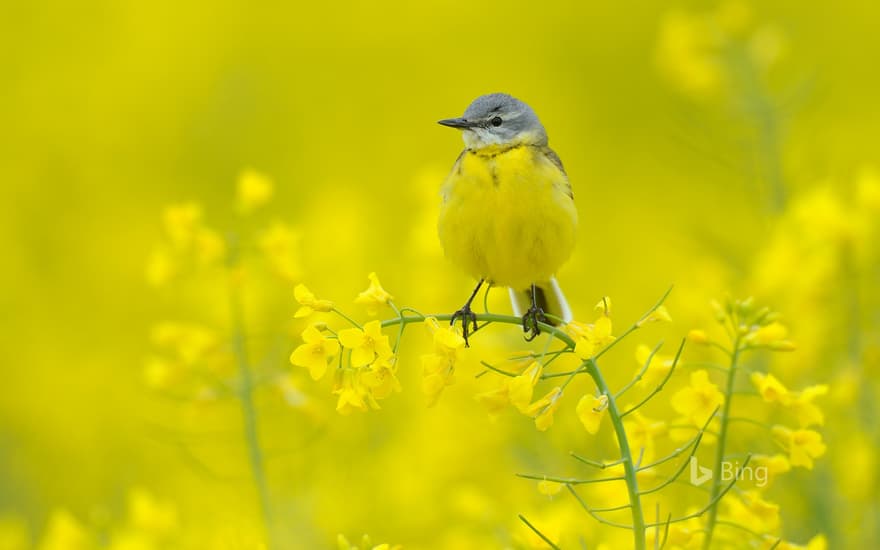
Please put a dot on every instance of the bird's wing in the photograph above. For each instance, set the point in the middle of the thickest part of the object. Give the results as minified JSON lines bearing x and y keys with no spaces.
{"x":456,"y":171}
{"x":554,"y":158}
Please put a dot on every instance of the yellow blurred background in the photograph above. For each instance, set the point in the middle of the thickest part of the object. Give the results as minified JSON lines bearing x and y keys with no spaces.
{"x":748,"y":173}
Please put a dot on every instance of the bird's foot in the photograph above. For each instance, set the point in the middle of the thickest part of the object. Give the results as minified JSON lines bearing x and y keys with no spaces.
{"x":530,"y":322}
{"x":467,"y":317}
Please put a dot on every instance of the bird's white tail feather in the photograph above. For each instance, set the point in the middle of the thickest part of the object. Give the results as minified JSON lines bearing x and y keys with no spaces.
{"x":549,"y":296}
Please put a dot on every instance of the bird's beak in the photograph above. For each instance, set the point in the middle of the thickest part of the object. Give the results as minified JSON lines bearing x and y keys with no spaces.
{"x":457,"y":123}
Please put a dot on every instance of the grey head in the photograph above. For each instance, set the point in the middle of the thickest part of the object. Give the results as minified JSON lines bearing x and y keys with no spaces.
{"x":498,"y":119}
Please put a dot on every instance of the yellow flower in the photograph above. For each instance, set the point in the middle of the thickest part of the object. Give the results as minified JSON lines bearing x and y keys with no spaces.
{"x":495,"y":400}
{"x":149,"y":514}
{"x":314,"y":354}
{"x":308,"y":302}
{"x":802,"y":445}
{"x":366,"y":344}
{"x":381,"y":378}
{"x":549,"y":488}
{"x":161,"y":268}
{"x":181,"y":223}
{"x":158,"y":372}
{"x":590,"y":410}
{"x":520,"y":388}
{"x":353,"y":394}
{"x":772,"y":336}
{"x":640,"y":433}
{"x":438,"y":367}
{"x":809,"y":414}
{"x":280,"y":245}
{"x":775,"y":465}
{"x":254,"y":190}
{"x":801,"y":403}
{"x":698,"y":336}
{"x":661,"y":314}
{"x":190,"y":342}
{"x":209,"y":246}
{"x":771,"y":389}
{"x":64,"y":532}
{"x":753,"y":512}
{"x":657,"y":369}
{"x":437,"y":373}
{"x":687,"y":54}
{"x":542,"y":410}
{"x":699,"y":400}
{"x":374,"y":297}
{"x":590,"y":338}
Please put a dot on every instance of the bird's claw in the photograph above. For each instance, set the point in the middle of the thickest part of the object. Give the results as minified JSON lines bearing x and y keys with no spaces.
{"x":467,"y":317}
{"x":530,"y":322}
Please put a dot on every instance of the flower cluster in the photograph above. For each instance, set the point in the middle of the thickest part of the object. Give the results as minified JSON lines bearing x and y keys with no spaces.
{"x":367,"y":364}
{"x":698,"y":415}
{"x":702,"y":53}
{"x":439,"y":366}
{"x":148,"y":523}
{"x":189,"y":356}
{"x":187,"y":244}
{"x":745,"y":328}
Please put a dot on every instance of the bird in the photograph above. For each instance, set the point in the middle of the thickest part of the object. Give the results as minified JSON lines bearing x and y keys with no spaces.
{"x":507,"y":216}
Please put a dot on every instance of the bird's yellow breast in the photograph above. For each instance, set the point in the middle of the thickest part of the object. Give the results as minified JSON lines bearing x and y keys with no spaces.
{"x":508,"y":215}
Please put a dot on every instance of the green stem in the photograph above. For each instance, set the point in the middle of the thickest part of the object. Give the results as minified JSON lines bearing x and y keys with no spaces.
{"x":249,"y":412}
{"x":482,"y":317}
{"x":629,"y":467}
{"x":590,"y":366}
{"x":722,"y":441}
{"x":347,"y":318}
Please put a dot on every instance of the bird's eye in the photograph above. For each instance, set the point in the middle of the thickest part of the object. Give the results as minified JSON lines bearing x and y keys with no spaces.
{"x":496,"y":121}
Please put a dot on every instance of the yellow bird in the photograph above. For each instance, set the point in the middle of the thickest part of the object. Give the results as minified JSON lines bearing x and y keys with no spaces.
{"x":508,"y":216}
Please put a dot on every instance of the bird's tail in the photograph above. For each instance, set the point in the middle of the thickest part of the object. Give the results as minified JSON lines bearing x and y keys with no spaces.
{"x":548,"y":296}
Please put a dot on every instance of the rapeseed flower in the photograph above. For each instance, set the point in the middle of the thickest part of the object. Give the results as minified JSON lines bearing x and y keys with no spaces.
{"x":353,"y":394}
{"x":775,"y":465}
{"x":315,"y":353}
{"x":439,"y":366}
{"x":591,"y":337}
{"x":807,"y":412}
{"x":520,"y":388}
{"x":750,"y":510}
{"x":641,"y":432}
{"x":771,"y":389}
{"x":699,"y":400}
{"x":254,"y":190}
{"x":308,"y":302}
{"x":542,"y":410}
{"x":803,"y":446}
{"x":182,"y":221}
{"x":279,"y":244}
{"x":772,"y":336}
{"x":495,"y":400}
{"x":374,"y":297}
{"x":366,"y":344}
{"x":381,"y":378}
{"x":590,"y":410}
{"x":659,"y":315}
